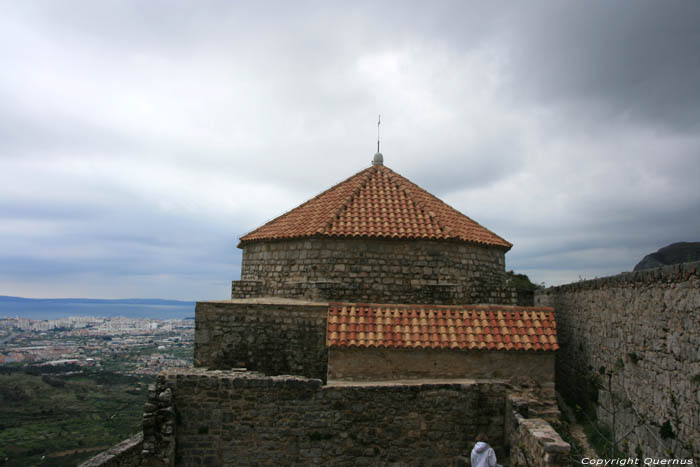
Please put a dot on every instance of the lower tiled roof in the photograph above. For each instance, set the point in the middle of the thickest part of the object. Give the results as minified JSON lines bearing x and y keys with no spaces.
{"x":467,"y":327}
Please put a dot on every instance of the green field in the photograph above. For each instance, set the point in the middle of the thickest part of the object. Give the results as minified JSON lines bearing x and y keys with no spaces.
{"x":62,"y":420}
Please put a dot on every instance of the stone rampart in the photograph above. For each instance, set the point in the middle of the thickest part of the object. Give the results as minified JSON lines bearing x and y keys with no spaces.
{"x":214,"y":418}
{"x":378,"y":271}
{"x":273,"y":336}
{"x":644,"y":327}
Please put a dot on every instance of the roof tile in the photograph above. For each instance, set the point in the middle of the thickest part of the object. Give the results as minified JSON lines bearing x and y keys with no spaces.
{"x":466,"y":327}
{"x":376,"y":203}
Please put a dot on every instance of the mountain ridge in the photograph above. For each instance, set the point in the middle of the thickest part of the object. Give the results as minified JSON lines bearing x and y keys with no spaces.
{"x":675,"y":253}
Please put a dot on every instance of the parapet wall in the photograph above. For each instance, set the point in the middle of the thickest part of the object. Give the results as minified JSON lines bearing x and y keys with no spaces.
{"x":275,"y":336}
{"x":125,"y":454}
{"x":645,"y":328}
{"x":532,"y":441}
{"x":378,"y":271}
{"x":198,"y":417}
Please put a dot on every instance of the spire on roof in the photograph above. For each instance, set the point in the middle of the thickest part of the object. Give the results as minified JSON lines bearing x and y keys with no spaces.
{"x":378,"y":158}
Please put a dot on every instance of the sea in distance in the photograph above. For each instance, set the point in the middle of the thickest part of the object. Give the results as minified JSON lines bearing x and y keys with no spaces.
{"x":57,"y":308}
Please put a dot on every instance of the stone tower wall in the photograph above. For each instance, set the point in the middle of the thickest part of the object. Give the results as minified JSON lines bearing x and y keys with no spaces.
{"x":379,"y":271}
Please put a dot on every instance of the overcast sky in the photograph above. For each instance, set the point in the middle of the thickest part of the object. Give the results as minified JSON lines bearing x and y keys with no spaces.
{"x":140,"y":139}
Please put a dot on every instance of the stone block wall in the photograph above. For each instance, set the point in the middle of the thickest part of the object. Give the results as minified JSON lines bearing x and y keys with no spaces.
{"x":218,"y":418}
{"x":645,"y":327}
{"x":378,"y":271}
{"x":534,"y":443}
{"x":367,"y":364}
{"x":530,"y":438}
{"x":274,"y":336}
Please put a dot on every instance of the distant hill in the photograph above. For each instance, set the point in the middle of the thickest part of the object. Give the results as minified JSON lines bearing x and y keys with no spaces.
{"x":675,"y":253}
{"x":54,"y":308}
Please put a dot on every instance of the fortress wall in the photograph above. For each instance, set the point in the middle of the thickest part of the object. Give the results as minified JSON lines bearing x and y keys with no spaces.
{"x":379,"y":271}
{"x":649,"y":322}
{"x":279,"y":336}
{"x":365,"y":364}
{"x":233,"y":418}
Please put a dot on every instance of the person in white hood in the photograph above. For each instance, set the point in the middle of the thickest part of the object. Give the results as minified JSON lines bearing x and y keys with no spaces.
{"x":482,"y":454}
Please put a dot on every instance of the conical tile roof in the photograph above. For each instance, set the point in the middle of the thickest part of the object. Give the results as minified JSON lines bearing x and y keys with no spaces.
{"x":376,"y":203}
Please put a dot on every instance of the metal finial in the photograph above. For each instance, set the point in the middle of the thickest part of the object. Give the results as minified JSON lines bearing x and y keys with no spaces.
{"x":378,"y":158}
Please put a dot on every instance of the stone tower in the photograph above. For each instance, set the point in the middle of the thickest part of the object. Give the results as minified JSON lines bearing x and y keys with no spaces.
{"x":375,"y":237}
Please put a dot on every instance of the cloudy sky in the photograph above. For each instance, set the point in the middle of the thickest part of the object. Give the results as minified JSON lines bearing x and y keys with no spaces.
{"x":139,"y":140}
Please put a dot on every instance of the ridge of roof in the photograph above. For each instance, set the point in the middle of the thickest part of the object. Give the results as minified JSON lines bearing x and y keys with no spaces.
{"x":375,"y":203}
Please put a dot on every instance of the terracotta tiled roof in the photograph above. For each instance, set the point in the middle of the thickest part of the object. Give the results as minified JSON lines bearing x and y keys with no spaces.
{"x":376,"y":203}
{"x":468,"y":327}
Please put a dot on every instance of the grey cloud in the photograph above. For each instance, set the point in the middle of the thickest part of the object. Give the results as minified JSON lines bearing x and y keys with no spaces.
{"x":47,"y":210}
{"x":205,"y":255}
{"x":442,"y":170}
{"x":625,"y":240}
{"x":43,"y":135}
{"x":614,"y":60}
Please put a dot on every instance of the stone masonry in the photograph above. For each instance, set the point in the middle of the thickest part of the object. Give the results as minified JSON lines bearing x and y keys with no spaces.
{"x":368,"y":364}
{"x":534,"y":443}
{"x":645,"y":327}
{"x":273,"y":336}
{"x":216,"y":418}
{"x":128,"y":453}
{"x":377,"y":271}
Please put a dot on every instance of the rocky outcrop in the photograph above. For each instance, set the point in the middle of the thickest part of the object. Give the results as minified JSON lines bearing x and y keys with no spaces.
{"x":675,"y":253}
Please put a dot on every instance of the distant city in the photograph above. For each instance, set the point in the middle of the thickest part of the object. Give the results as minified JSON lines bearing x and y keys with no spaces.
{"x":120,"y":344}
